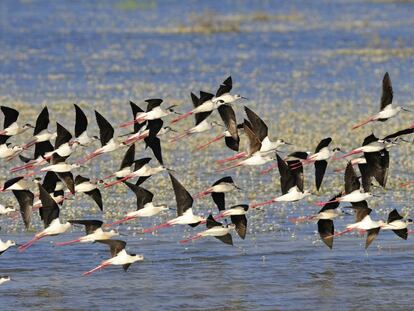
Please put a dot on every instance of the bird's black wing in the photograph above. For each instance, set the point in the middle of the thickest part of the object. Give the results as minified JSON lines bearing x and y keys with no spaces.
{"x":254,"y":142}
{"x":10,"y":116}
{"x":67,"y":178}
{"x":129,"y":157}
{"x":393,"y":216}
{"x":226,"y":239}
{"x":323,"y":143}
{"x":371,"y":235}
{"x":219,"y":200}
{"x":351,"y":179}
{"x":326,"y":231}
{"x":182,"y":196}
{"x":259,"y":127}
{"x":225,"y":87}
{"x":49,"y":181}
{"x":155,"y":146}
{"x":106,"y":131}
{"x":387,"y":92}
{"x":240,"y":221}
{"x":42,"y":121}
{"x":287,"y":178}
{"x":378,"y":165}
{"x":63,"y":136}
{"x":49,"y":210}
{"x":115,"y":246}
{"x":320,"y":169}
{"x":369,"y":139}
{"x":152,"y":103}
{"x":407,"y":131}
{"x":229,"y":119}
{"x":25,"y":199}
{"x":96,"y":195}
{"x":211,"y":222}
{"x":81,"y":122}
{"x":331,"y":205}
{"x":41,"y":148}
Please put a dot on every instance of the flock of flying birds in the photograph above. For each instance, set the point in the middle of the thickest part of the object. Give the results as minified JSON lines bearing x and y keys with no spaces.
{"x":59,"y":183}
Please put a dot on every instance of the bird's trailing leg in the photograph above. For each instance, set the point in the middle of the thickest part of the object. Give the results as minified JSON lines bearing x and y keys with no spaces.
{"x":193,"y":238}
{"x":165,"y":225}
{"x":101,"y":266}
{"x":232,"y":158}
{"x":183,"y":116}
{"x":200,"y":147}
{"x":68,"y":242}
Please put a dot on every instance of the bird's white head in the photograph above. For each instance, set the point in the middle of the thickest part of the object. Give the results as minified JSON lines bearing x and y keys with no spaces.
{"x":11,"y":243}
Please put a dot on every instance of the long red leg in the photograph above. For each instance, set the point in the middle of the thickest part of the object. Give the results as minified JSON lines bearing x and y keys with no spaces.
{"x":363,"y":123}
{"x":101,"y":266}
{"x":228,"y":168}
{"x":200,"y":147}
{"x":193,"y":238}
{"x":25,"y":246}
{"x":118,"y":222}
{"x":232,"y":158}
{"x":183,"y":116}
{"x":68,"y":242}
{"x":262,"y":203}
{"x":165,"y":225}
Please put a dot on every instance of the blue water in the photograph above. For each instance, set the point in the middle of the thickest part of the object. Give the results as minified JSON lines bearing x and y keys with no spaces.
{"x":310,"y":68}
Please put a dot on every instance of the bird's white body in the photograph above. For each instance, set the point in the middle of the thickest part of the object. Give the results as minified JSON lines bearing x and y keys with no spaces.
{"x":148,"y":210}
{"x":153,"y":114}
{"x":85,"y":187}
{"x":14,"y":129}
{"x":186,"y":218}
{"x":226,"y":98}
{"x":327,"y":214}
{"x":6,"y":152}
{"x":4,"y":246}
{"x":208,"y":105}
{"x":146,"y":170}
{"x":294,"y":194}
{"x":4,"y":279}
{"x":98,"y":235}
{"x":112,"y":145}
{"x":59,"y":167}
{"x":6,"y":210}
{"x":372,"y":147}
{"x":235,"y":211}
{"x":257,"y":159}
{"x":222,"y":187}
{"x":355,"y":196}
{"x":360,"y":160}
{"x":84,"y":140}
{"x":388,"y":112}
{"x":123,"y":258}
{"x":396,"y":225}
{"x":270,"y":146}
{"x":123,"y":172}
{"x":20,"y":185}
{"x":203,"y":126}
{"x":44,"y":136}
{"x":215,"y":231}
{"x":366,"y":224}
{"x":55,"y":227}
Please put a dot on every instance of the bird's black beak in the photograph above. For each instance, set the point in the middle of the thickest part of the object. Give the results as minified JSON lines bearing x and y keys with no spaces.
{"x":405,"y":109}
{"x":289,"y":144}
{"x":244,"y":97}
{"x":172,"y":209}
{"x":170,"y":170}
{"x":238,"y":188}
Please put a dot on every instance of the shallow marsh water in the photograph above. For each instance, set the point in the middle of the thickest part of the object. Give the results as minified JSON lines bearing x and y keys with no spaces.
{"x":310,"y":68}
